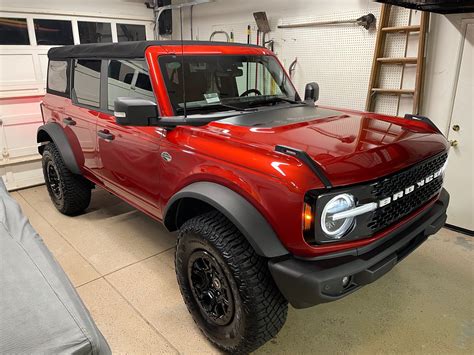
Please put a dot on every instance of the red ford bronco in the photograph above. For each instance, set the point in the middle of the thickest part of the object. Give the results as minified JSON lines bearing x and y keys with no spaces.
{"x":276,"y":200}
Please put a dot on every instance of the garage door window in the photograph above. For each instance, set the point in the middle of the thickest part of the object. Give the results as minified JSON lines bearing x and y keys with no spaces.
{"x":13,"y":31}
{"x":94,"y":32}
{"x":57,"y":76}
{"x":127,"y":33}
{"x":128,"y":78}
{"x":53,"y":32}
{"x":87,"y":82}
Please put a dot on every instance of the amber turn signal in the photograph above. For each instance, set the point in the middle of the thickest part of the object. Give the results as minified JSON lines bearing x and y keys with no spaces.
{"x":307,"y":217}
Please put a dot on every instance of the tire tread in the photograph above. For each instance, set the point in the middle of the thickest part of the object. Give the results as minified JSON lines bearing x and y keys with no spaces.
{"x":76,"y":189}
{"x":260,"y":296}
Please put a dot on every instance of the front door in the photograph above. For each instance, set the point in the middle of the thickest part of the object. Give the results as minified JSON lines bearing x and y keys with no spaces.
{"x":128,"y":158}
{"x":460,"y":171}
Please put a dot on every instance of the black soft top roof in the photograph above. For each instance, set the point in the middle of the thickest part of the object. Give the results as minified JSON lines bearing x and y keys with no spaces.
{"x":123,"y":49}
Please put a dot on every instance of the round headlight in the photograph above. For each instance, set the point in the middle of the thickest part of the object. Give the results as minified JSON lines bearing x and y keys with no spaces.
{"x":336,"y":229}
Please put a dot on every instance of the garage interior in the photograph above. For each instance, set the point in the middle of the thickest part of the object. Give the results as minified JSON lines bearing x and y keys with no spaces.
{"x":121,"y":261}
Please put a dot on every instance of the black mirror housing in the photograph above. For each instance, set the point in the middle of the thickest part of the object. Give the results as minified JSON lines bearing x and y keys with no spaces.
{"x":311,"y":92}
{"x":130,"y":111}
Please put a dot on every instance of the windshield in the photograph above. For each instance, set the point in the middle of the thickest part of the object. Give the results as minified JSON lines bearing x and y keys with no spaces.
{"x":223,"y":82}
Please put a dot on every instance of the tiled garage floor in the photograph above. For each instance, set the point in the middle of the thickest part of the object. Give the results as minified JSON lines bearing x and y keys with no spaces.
{"x":121,"y":262}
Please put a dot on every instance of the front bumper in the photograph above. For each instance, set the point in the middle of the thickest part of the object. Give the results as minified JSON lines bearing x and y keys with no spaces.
{"x":307,"y":283}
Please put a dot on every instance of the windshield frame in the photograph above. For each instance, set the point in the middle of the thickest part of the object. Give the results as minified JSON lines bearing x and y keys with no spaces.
{"x":193,"y":106}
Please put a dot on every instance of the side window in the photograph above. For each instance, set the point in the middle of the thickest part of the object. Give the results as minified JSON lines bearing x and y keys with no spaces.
{"x":128,"y":78}
{"x":87,"y":82}
{"x":58,"y":76}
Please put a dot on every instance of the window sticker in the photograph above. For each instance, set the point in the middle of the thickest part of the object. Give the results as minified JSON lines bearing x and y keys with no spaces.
{"x":212,"y":98}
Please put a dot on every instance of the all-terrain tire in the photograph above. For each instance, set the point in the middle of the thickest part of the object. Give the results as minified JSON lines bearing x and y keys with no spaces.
{"x":70,"y":193}
{"x":259,"y":309}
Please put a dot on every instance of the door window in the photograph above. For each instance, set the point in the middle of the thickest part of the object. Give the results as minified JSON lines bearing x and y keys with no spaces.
{"x":87,"y":82}
{"x":128,"y":78}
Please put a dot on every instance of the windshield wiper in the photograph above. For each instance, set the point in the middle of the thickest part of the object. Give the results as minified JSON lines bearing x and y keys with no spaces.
{"x":274,"y":99}
{"x":209,"y":107}
{"x":286,"y":100}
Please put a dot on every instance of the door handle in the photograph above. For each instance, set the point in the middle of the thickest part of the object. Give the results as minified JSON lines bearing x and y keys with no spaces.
{"x":105,"y":135}
{"x":68,"y":121}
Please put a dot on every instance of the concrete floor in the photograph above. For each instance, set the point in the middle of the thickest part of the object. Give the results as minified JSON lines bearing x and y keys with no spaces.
{"x":121,"y":263}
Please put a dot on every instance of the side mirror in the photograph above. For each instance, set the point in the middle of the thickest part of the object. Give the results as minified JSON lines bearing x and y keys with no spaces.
{"x":311,"y":92}
{"x":130,"y":111}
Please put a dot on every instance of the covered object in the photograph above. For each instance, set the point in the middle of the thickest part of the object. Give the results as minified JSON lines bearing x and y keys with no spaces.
{"x":40,"y":311}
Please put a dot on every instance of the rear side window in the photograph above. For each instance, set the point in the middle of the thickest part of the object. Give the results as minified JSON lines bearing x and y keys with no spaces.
{"x":58,"y":77}
{"x":128,"y":78}
{"x":86,"y":82}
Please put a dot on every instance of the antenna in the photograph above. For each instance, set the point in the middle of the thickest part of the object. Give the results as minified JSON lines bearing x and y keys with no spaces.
{"x":182,"y":60}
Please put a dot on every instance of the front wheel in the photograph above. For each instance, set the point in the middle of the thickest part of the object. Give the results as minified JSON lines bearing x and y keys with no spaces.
{"x":226,"y":286}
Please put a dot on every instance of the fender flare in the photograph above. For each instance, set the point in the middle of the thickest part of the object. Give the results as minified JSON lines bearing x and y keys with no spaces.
{"x":60,"y":140}
{"x":238,"y":210}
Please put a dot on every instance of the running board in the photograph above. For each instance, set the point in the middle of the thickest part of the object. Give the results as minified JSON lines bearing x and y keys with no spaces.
{"x":306,"y":159}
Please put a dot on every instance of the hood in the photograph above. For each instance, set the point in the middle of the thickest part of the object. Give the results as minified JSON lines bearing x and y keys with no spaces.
{"x":349,"y":146}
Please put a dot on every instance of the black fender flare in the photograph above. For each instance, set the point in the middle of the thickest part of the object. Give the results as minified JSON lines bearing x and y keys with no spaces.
{"x":57,"y":135}
{"x":238,"y":210}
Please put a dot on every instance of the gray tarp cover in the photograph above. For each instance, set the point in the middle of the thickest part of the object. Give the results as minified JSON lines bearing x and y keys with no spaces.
{"x":40,"y":311}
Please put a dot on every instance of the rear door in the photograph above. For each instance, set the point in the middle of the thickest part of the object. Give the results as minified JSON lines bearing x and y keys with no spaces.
{"x":129,"y":157}
{"x":81,"y":116}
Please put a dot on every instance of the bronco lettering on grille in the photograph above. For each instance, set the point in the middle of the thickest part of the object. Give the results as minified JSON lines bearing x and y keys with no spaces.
{"x":408,"y":190}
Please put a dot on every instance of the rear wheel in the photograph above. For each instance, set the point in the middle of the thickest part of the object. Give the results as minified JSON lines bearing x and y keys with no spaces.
{"x":226,"y":286}
{"x":70,"y":193}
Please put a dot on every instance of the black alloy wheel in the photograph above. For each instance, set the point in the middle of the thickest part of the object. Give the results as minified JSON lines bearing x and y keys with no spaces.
{"x":210,"y":288}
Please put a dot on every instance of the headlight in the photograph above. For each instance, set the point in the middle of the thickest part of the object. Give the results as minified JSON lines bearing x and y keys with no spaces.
{"x":337,"y":229}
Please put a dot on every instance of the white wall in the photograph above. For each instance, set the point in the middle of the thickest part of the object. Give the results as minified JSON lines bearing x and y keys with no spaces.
{"x":229,"y":11}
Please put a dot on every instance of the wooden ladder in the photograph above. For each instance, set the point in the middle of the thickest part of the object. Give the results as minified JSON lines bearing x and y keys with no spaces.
{"x":379,"y":59}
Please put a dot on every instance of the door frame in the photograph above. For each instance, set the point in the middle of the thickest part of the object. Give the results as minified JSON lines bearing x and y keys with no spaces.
{"x":464,"y":23}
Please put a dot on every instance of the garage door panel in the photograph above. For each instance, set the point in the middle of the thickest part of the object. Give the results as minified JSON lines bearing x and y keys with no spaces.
{"x":21,"y":61}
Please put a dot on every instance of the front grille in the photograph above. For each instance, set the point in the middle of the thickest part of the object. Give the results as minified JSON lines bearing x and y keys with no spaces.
{"x":396,"y":210}
{"x":368,"y":224}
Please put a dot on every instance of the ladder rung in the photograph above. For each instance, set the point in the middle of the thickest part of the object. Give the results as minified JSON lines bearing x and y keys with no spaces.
{"x":404,"y":60}
{"x":393,"y":91}
{"x":413,"y":28}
